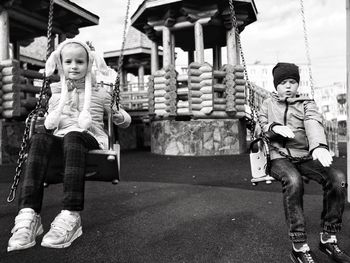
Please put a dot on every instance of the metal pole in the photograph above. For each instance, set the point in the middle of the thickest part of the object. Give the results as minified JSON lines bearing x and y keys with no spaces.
{"x":348,"y":91}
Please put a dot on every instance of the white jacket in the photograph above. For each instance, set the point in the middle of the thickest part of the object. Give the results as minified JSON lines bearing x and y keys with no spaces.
{"x":100,"y":105}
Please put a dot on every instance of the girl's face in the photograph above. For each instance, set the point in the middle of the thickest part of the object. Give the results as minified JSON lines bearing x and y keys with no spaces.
{"x":287,"y":88}
{"x":74,"y":61}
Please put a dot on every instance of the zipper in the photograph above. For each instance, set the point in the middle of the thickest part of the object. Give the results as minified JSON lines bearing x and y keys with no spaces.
{"x":285,"y":121}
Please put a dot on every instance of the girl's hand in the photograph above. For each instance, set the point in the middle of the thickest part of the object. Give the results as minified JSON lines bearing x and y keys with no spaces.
{"x":323,"y":155}
{"x":283,"y":131}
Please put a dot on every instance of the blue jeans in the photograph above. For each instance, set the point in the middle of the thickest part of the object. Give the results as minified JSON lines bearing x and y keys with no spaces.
{"x":334,"y":186}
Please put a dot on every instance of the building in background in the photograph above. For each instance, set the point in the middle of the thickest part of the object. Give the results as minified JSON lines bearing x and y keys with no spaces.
{"x":332,"y":100}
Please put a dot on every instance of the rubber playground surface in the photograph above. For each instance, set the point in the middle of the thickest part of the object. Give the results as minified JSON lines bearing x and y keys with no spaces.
{"x":175,"y":209}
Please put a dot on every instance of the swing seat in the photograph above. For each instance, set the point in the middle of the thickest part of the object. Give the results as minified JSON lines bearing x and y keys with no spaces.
{"x":259,"y":154}
{"x":101,"y":165}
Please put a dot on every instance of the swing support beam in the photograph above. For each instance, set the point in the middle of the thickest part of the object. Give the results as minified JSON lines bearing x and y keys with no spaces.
{"x":348,"y":92}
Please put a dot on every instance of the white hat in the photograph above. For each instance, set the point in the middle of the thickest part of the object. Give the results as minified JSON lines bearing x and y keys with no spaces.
{"x":54,"y":62}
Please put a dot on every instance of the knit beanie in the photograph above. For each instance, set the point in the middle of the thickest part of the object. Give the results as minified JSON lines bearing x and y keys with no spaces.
{"x":284,"y":71}
{"x":54,"y":62}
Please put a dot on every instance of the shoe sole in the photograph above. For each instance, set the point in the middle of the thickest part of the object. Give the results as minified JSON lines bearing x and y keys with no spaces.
{"x":32,"y":244}
{"x":77,"y":234}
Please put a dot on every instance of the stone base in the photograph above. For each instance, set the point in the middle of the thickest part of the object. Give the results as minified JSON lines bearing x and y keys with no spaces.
{"x":198,"y":137}
{"x":11,"y":133}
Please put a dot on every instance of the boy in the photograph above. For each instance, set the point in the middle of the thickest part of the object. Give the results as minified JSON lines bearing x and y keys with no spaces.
{"x":75,"y":114}
{"x":294,"y":127}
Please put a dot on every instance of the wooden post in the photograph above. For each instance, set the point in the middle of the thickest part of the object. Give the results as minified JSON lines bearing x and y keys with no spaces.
{"x":166,"y":47}
{"x":154,"y":57}
{"x":5,"y":34}
{"x":348,"y":91}
{"x":190,"y":55}
{"x":199,"y":42}
{"x":141,"y":75}
{"x":217,"y":57}
{"x":16,"y":50}
{"x":231,"y":46}
{"x":238,"y":53}
{"x":172,"y":48}
{"x":124,"y":80}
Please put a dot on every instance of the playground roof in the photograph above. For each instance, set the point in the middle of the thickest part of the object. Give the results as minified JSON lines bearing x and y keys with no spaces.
{"x":28,"y":19}
{"x":152,"y":14}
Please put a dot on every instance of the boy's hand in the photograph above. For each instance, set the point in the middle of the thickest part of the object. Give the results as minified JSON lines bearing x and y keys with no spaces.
{"x":283,"y":131}
{"x":323,"y":155}
{"x":118,"y":116}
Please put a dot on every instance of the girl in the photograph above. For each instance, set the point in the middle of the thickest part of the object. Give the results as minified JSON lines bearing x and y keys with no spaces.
{"x":75,"y":114}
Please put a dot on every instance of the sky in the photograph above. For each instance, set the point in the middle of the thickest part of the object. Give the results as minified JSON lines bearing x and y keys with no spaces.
{"x":277,"y":35}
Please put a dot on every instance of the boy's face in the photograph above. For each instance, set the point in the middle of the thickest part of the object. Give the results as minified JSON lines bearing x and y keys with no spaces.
{"x":287,"y":88}
{"x":74,"y":61}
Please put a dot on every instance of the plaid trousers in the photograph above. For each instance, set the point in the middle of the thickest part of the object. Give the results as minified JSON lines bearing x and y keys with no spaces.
{"x":71,"y":149}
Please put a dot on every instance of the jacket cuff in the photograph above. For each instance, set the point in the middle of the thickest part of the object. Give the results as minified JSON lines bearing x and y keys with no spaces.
{"x":270,"y":130}
{"x":321,"y":145}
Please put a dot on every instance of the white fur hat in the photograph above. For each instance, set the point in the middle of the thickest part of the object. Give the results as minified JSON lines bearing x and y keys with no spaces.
{"x":54,"y":62}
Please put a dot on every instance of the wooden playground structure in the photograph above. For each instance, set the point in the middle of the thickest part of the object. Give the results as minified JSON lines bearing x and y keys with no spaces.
{"x":200,"y":112}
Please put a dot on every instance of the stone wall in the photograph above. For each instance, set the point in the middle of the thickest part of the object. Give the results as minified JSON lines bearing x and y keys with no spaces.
{"x":198,"y":137}
{"x":10,"y":140}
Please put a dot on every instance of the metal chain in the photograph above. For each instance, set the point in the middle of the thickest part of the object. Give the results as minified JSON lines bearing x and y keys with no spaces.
{"x":307,"y":48}
{"x":251,"y":98}
{"x":40,"y":109}
{"x":254,"y":109}
{"x":116,"y":90}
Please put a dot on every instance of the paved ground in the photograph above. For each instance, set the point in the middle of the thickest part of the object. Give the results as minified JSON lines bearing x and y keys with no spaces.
{"x":175,"y":209}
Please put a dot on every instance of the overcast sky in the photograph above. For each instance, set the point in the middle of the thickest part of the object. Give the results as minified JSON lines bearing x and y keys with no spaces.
{"x":277,"y":35}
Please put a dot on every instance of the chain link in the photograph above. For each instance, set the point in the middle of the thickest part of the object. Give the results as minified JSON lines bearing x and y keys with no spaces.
{"x":116,"y":90}
{"x":254,"y":109}
{"x":307,"y":48}
{"x":40,"y":109}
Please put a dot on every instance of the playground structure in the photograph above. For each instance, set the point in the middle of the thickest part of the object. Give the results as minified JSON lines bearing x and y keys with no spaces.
{"x":202,"y":112}
{"x":137,"y":54}
{"x":198,"y":113}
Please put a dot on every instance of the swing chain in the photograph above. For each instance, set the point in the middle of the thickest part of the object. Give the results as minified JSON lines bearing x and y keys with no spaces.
{"x":254,"y":110}
{"x":307,"y":47}
{"x":40,"y":109}
{"x":116,"y":91}
{"x":251,"y":98}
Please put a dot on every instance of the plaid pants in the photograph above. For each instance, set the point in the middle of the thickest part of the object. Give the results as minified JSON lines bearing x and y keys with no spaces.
{"x":71,"y":149}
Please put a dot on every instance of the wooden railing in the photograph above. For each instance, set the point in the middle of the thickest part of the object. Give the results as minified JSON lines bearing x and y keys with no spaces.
{"x":134,"y":100}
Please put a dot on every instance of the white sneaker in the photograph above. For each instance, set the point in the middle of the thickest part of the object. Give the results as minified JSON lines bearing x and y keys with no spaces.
{"x":64,"y":230}
{"x":27,"y":227}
